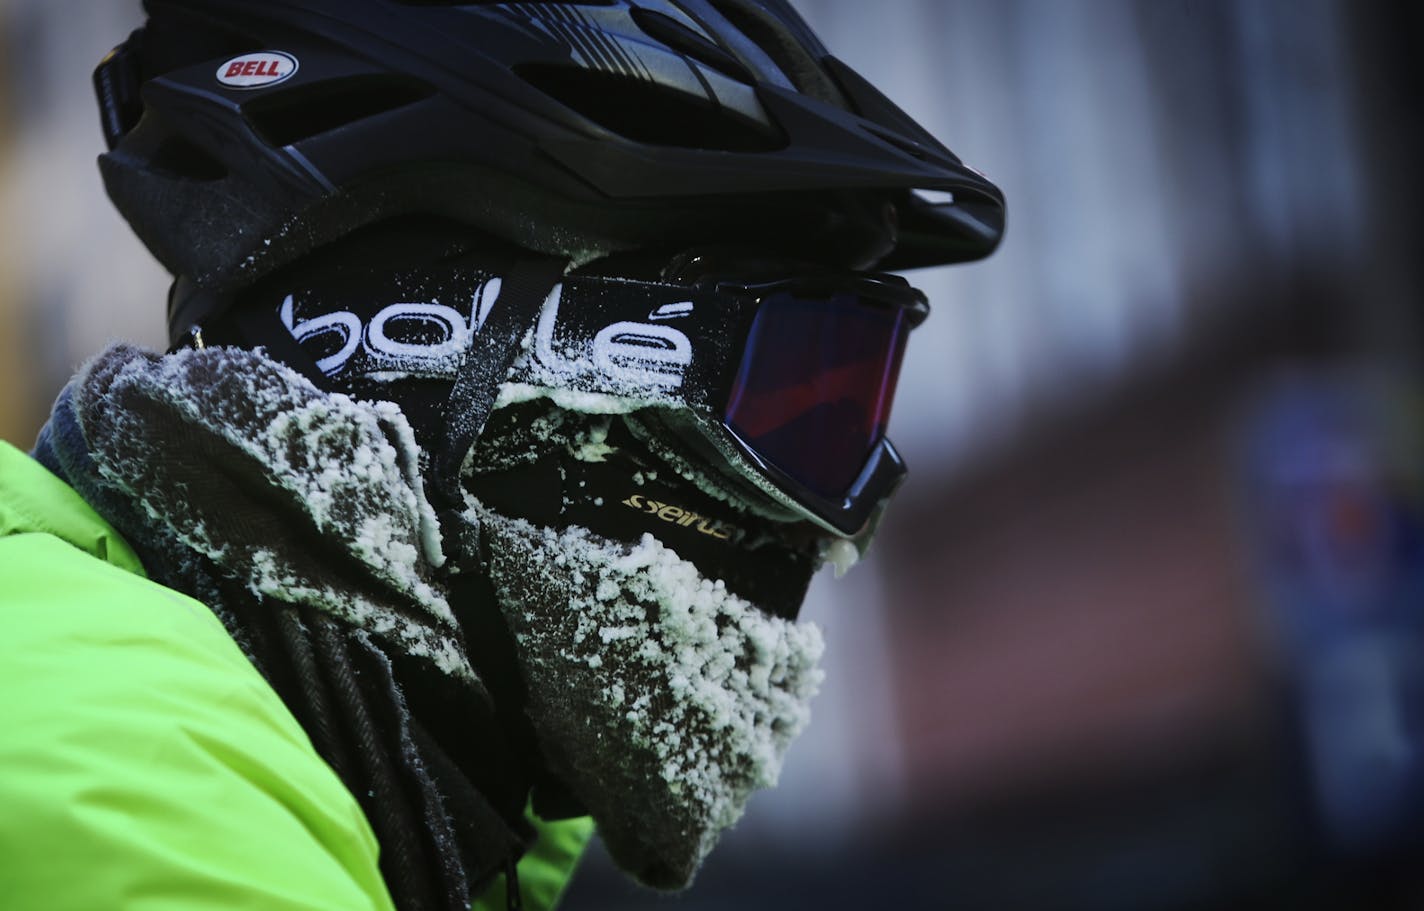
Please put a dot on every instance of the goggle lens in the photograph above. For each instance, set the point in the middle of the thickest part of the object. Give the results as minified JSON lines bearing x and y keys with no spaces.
{"x":813,"y":393}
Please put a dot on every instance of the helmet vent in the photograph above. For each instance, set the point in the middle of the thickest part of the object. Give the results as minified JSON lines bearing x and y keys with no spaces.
{"x":284,"y":118}
{"x":181,"y":158}
{"x":680,"y":38}
{"x":770,"y":34}
{"x":650,"y":113}
{"x":504,"y":2}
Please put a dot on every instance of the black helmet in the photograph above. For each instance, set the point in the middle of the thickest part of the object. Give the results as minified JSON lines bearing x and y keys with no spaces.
{"x":245,"y":133}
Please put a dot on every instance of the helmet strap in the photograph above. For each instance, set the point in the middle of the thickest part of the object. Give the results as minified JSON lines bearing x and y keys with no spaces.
{"x":486,"y":364}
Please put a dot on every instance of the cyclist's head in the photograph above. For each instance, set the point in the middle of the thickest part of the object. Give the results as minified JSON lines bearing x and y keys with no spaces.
{"x":611,"y":259}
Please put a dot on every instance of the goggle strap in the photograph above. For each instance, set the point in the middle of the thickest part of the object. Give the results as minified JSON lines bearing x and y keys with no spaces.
{"x":487,"y":363}
{"x":263,"y":326}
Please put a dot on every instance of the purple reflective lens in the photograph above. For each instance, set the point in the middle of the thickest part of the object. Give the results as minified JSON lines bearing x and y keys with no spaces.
{"x":813,"y":393}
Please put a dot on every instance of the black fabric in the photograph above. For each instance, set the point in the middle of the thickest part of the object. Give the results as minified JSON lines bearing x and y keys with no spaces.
{"x":264,"y":328}
{"x":493,"y":652}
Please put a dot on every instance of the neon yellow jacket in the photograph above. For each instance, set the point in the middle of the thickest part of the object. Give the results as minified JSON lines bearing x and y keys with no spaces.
{"x":145,"y":765}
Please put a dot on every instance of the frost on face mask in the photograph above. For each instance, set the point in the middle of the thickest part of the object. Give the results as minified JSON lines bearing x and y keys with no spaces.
{"x":659,"y":697}
{"x":302,"y":496}
{"x":523,"y":434}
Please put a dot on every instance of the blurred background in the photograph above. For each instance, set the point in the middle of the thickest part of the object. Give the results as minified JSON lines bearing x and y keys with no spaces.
{"x":1145,"y":629}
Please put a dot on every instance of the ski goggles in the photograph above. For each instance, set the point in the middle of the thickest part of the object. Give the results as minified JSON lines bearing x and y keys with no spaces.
{"x":784,"y":387}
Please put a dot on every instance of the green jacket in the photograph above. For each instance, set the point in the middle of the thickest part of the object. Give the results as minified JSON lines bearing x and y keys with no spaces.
{"x":144,"y":763}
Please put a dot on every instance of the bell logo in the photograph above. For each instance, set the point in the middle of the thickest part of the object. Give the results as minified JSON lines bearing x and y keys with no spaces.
{"x":257,"y":71}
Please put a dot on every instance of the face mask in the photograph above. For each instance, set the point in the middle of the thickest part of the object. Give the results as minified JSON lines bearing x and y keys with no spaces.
{"x":660,"y":699}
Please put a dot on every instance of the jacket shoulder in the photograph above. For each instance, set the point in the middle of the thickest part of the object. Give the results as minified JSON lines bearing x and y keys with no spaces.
{"x":146,"y":763}
{"x":32,"y":499}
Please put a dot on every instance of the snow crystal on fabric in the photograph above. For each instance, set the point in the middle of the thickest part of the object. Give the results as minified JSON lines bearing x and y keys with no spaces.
{"x":584,"y":401}
{"x":591,"y":443}
{"x":571,"y":375}
{"x":842,"y":554}
{"x":307,"y":497}
{"x":663,"y":700}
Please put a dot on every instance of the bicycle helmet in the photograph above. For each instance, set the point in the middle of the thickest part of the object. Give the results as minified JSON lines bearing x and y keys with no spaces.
{"x":246,"y":133}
